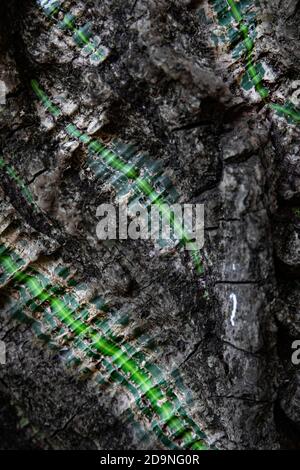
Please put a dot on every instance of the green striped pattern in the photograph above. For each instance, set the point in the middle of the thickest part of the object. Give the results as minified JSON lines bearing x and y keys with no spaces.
{"x":239,"y":21}
{"x":55,"y":313}
{"x":82,"y":36}
{"x":140,"y":183}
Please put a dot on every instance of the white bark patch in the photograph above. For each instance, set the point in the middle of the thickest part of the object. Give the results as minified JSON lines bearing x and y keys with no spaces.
{"x":233,"y":312}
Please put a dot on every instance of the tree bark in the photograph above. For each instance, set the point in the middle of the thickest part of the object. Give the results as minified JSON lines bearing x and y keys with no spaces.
{"x":165,"y":87}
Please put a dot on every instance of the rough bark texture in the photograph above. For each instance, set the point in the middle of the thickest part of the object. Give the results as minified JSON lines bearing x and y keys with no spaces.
{"x":165,"y":87}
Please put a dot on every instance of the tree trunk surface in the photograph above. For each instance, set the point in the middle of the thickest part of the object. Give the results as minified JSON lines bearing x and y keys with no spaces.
{"x":222,"y":339}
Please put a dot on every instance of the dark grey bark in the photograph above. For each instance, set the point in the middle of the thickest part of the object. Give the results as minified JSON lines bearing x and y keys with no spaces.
{"x":166,"y":88}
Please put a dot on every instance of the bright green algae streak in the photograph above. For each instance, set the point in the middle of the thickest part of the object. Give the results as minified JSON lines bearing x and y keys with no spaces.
{"x":254,"y":75}
{"x":68,"y":24}
{"x":249,"y":44}
{"x":159,"y":403}
{"x":129,"y":171}
{"x":154,"y":394}
{"x":287,"y":111}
